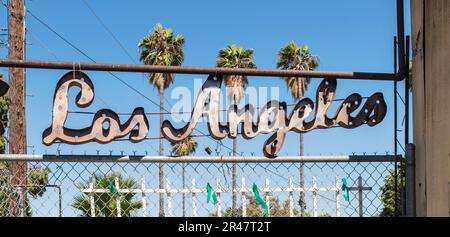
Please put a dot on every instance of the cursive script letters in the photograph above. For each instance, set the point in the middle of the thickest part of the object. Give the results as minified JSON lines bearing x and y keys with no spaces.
{"x":106,"y":124}
{"x":273,"y":118}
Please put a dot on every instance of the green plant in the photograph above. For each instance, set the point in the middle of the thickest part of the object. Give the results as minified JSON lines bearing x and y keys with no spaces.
{"x":389,"y":193}
{"x":184,"y":147}
{"x":4,"y":172}
{"x":105,"y":203}
{"x":38,"y":180}
{"x":4,"y":108}
{"x":255,"y":210}
{"x":234,"y":56}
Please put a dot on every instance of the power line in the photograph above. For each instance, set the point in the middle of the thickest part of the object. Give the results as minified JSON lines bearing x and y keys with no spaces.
{"x":115,"y":76}
{"x":65,"y":40}
{"x":152,"y":138}
{"x":181,"y":112}
{"x":114,"y":37}
{"x":109,"y":31}
{"x":59,"y":35}
{"x":46,"y":47}
{"x":42,"y":44}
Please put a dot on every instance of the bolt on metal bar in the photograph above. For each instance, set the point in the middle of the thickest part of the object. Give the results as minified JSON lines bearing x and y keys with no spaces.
{"x":195,"y":159}
{"x":193,"y":70}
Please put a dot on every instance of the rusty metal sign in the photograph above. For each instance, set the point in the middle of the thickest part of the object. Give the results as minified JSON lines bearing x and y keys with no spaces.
{"x":105,"y":127}
{"x":273,"y":118}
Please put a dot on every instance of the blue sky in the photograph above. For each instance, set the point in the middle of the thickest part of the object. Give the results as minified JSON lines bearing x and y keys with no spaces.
{"x":347,"y":35}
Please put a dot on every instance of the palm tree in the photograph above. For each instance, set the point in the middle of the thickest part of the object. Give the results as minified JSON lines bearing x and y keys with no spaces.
{"x":293,"y":57}
{"x":234,"y":56}
{"x":105,"y":203}
{"x":184,"y":147}
{"x":160,"y":47}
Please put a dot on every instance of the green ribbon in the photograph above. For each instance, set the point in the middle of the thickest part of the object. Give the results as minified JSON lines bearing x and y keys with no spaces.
{"x":345,"y":189}
{"x":210,"y":191}
{"x":112,"y":188}
{"x":259,"y":200}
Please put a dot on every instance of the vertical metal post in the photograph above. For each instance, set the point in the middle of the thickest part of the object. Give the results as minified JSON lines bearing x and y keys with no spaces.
{"x":234,"y":182}
{"x":194,"y":199}
{"x":395,"y":128}
{"x":407,"y":89}
{"x":244,"y":198}
{"x":291,"y":197}
{"x":184,"y":186}
{"x":169,"y":198}
{"x":119,"y":208}
{"x":144,"y":198}
{"x":401,"y":32}
{"x":338,"y":197}
{"x":219,"y":200}
{"x":410,"y":184}
{"x":91,"y":196}
{"x":314,"y":196}
{"x":268,"y":195}
{"x":59,"y":200}
{"x":360,"y":197}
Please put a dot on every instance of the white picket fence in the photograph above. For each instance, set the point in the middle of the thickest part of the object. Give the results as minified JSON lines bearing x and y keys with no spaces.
{"x":193,"y":191}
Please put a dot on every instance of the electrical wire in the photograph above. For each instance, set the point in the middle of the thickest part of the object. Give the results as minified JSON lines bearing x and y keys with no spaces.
{"x":109,"y":31}
{"x":182,"y":112}
{"x":114,"y":75}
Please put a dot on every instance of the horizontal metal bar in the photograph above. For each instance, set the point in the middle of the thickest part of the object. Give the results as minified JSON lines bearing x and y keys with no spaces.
{"x":193,"y":70}
{"x":359,"y":188}
{"x":218,"y":190}
{"x":196,"y":159}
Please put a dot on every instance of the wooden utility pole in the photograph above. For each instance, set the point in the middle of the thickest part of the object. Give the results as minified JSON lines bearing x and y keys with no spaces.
{"x":17,"y":129}
{"x":431,"y":105}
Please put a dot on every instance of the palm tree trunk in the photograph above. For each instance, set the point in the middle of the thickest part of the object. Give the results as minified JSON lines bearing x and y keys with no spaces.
{"x":161,"y":152}
{"x":302,"y":178}
{"x":234,"y":206}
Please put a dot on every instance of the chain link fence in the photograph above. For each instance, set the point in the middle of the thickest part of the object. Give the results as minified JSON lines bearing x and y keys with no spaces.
{"x":128,"y":186}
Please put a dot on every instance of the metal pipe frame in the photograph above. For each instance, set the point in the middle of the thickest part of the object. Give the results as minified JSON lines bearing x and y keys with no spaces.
{"x":410,"y":184}
{"x":395,"y":129}
{"x":401,"y":34}
{"x":193,"y":70}
{"x":47,"y":186}
{"x":195,"y":159}
{"x":404,"y":171}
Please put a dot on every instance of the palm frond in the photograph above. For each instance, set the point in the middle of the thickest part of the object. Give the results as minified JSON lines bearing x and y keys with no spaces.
{"x":184,"y":147}
{"x":293,"y":57}
{"x":234,"y":56}
{"x":160,"y":47}
{"x":105,"y":203}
